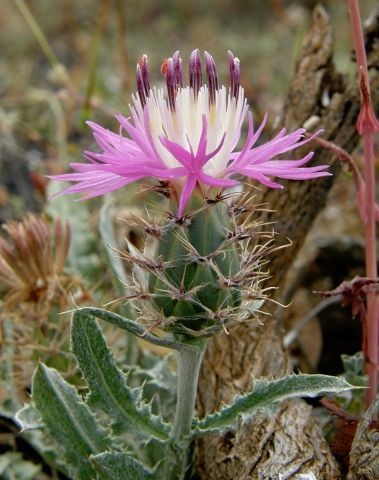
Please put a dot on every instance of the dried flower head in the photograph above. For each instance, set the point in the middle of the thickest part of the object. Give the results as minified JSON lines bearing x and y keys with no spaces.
{"x":31,"y":268}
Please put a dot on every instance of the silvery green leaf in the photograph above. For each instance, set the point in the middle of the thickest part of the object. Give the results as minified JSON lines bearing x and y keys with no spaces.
{"x":132,"y":327}
{"x":159,"y":382}
{"x":108,"y":238}
{"x":32,"y":427}
{"x":68,"y":421}
{"x":116,"y":268}
{"x":9,"y":403}
{"x":14,"y":467}
{"x":354,"y":369}
{"x":156,"y":371}
{"x":108,"y":389}
{"x":46,"y":448}
{"x":113,"y":465}
{"x":354,"y":363}
{"x":83,"y":253}
{"x":29,"y":418}
{"x":265,"y":396}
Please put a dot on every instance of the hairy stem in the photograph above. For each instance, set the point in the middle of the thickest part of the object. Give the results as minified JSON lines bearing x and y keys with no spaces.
{"x":188,"y":364}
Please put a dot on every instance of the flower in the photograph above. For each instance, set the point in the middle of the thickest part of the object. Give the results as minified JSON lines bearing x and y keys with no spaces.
{"x":30,"y":267}
{"x":188,"y":140}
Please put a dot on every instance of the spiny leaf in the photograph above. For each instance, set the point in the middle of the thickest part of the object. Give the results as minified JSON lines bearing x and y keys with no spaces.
{"x":132,"y":327}
{"x":29,"y":418}
{"x":265,"y":396}
{"x":108,"y":389}
{"x":68,"y":421}
{"x":32,"y":427}
{"x":112,"y":465}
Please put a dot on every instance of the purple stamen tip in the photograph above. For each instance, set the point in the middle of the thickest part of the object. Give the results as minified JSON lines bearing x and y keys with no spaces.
{"x":211,"y":69}
{"x":143,"y":82}
{"x":195,"y":73}
{"x":171,"y":82}
{"x":145,"y":75}
{"x":172,"y":69}
{"x":141,"y":93}
{"x":178,"y":70}
{"x":234,"y":65}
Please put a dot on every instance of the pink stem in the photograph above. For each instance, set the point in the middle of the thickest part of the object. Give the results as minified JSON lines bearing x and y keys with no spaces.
{"x":371,"y":271}
{"x":366,"y":126}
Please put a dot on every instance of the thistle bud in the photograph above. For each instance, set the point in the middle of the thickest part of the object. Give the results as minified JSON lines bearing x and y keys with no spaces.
{"x":199,"y":280}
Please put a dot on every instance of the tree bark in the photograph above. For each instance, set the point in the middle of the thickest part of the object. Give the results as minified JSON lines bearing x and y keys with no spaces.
{"x":291,"y":442}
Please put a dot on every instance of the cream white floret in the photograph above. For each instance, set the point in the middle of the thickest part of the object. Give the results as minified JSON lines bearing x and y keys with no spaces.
{"x":184,"y":125}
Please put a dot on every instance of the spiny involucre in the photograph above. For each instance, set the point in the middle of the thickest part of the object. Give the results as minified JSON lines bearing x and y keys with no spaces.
{"x":205,"y":271}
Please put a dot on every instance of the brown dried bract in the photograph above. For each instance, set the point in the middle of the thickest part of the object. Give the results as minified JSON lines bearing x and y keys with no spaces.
{"x":31,"y":267}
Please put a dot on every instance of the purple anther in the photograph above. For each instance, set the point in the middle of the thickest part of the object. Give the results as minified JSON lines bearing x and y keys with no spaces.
{"x":234,"y":65}
{"x":145,"y":75}
{"x":171,"y":83}
{"x":178,"y":70}
{"x":140,"y":90}
{"x":195,"y":74}
{"x":211,"y":69}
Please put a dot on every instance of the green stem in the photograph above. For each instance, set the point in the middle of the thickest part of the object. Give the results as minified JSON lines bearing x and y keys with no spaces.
{"x":188,"y":365}
{"x":44,"y":44}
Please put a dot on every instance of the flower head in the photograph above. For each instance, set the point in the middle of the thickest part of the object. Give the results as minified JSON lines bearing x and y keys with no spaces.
{"x":189,"y":139}
{"x":30,"y":267}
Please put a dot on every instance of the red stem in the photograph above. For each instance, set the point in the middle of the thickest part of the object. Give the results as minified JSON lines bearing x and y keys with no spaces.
{"x":366,"y":126}
{"x":371,"y":269}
